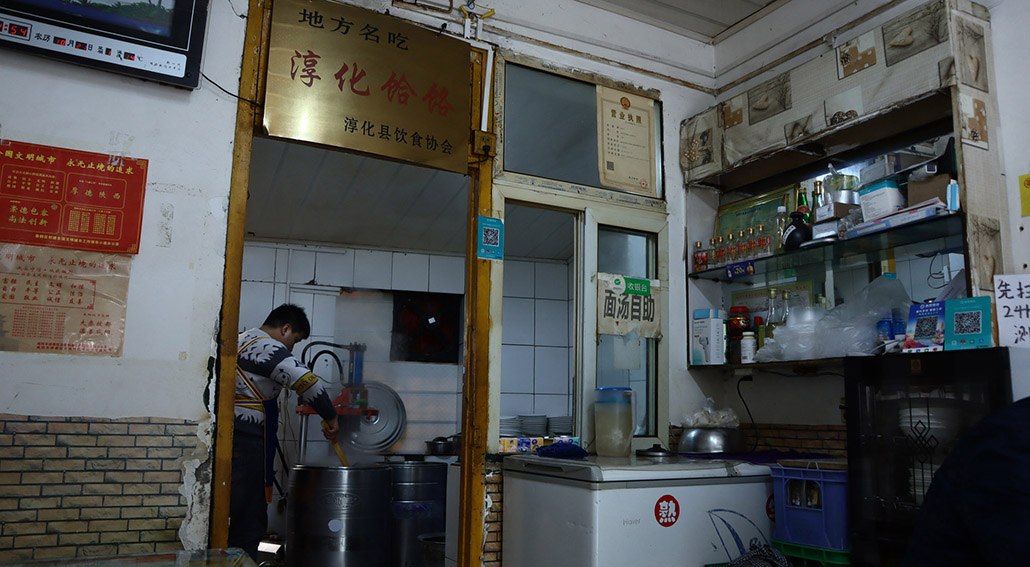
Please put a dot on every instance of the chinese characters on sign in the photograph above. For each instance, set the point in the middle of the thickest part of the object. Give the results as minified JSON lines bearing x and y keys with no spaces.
{"x":626,"y":146}
{"x":1012,"y":296}
{"x":70,"y":199}
{"x":626,"y":305}
{"x":62,"y":301}
{"x":666,"y":510}
{"x":344,"y":76}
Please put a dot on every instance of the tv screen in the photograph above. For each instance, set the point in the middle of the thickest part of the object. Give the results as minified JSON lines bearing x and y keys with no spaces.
{"x":161,"y":40}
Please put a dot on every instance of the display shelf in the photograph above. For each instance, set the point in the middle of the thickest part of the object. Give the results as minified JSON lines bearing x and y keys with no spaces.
{"x":809,"y":366}
{"x":939,"y":234}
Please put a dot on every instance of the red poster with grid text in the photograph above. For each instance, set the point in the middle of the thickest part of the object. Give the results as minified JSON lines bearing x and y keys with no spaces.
{"x":63,"y":198}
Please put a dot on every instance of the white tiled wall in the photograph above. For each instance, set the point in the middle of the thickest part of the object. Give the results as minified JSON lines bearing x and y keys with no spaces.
{"x":536,"y":337}
{"x":346,"y":294}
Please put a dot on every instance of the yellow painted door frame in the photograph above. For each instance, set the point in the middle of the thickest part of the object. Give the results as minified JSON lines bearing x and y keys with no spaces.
{"x":475,"y":380}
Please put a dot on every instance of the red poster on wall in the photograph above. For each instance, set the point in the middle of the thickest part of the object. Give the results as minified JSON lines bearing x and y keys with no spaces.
{"x":63,"y":198}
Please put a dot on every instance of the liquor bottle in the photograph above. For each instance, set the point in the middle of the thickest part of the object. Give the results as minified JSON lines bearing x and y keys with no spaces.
{"x":764,"y":242}
{"x":711,"y":253}
{"x":781,"y":225}
{"x":772,"y":318}
{"x":803,"y":207}
{"x":818,"y":196}
{"x":741,"y":245}
{"x":785,"y":312}
{"x":700,"y":257}
{"x":720,"y":252}
{"x":731,"y":249}
{"x":752,"y":243}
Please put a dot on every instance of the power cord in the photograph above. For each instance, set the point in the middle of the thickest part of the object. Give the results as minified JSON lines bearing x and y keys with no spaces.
{"x":754,"y":429}
{"x":236,"y":96}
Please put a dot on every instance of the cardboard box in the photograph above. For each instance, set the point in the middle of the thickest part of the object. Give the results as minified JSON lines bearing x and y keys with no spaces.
{"x":890,"y":164}
{"x":826,"y":228}
{"x":708,"y":337}
{"x":938,"y":186}
{"x":833,"y":211}
{"x":880,"y":199}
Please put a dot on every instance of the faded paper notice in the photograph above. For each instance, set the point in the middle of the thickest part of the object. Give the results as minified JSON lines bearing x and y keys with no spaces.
{"x":626,"y":305}
{"x":62,"y":301}
{"x":626,"y":146}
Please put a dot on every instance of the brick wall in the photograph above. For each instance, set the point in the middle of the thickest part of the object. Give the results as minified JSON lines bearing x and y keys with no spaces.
{"x":831,"y":439}
{"x":494,"y":490}
{"x":82,"y":487}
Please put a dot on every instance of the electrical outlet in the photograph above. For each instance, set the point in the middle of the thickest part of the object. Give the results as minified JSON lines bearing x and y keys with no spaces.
{"x":484,"y":143}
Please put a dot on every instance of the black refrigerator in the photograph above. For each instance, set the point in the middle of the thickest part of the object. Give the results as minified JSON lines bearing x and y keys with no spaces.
{"x":904,"y":412}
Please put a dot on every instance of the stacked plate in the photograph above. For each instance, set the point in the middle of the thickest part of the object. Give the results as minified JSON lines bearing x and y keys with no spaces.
{"x":534,"y":425}
{"x":930,"y":426}
{"x":561,"y":425}
{"x":511,"y":426}
{"x":919,"y":479}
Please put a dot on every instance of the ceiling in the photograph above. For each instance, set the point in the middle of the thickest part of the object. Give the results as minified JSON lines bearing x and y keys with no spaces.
{"x":303,"y":193}
{"x":703,"y":20}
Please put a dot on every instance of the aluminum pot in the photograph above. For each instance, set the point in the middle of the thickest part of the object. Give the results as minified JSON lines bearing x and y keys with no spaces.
{"x":711,"y":440}
{"x":440,"y":446}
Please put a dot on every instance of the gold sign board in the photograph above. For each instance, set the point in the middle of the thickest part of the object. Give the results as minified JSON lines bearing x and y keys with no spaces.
{"x":345,"y":76}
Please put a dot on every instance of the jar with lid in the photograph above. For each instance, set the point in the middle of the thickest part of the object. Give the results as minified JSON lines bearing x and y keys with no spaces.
{"x":747,"y":347}
{"x":739,"y":321}
{"x":700,"y":257}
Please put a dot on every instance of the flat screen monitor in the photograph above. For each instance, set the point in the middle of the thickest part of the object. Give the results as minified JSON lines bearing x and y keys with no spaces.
{"x":160,"y":40}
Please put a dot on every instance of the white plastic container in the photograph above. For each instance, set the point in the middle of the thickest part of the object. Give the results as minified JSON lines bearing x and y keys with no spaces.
{"x":613,"y":422}
{"x":748,"y":346}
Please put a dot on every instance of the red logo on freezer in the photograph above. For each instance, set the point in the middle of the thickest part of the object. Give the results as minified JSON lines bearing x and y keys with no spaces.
{"x":666,"y":510}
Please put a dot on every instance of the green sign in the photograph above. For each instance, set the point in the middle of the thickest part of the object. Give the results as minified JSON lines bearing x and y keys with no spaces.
{"x":638,"y":287}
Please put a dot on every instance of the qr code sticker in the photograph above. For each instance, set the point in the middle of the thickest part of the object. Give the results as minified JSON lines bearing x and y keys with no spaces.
{"x":925,"y":326}
{"x":967,"y":323}
{"x":609,"y":165}
{"x":491,"y":236}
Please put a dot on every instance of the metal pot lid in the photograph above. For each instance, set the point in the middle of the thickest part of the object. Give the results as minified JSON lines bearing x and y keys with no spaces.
{"x":381,"y":432}
{"x":656,"y":451}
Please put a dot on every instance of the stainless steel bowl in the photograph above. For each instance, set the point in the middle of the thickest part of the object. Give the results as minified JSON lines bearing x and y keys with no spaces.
{"x":711,"y":440}
{"x":847,"y":196}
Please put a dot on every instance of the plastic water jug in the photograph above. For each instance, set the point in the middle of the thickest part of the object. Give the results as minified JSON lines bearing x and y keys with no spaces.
{"x":613,"y":421}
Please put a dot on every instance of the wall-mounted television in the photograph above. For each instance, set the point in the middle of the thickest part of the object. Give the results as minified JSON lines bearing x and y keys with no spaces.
{"x":159,"y":40}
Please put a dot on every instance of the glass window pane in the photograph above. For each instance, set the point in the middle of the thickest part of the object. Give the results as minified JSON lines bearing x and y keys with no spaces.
{"x":629,"y":361}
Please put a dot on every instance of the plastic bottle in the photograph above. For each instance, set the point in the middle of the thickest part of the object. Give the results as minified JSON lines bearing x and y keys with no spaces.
{"x":747,"y":347}
{"x":797,"y":233}
{"x":781,"y":225}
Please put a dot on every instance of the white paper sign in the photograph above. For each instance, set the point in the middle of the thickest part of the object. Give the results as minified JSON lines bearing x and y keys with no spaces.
{"x":627,"y":305}
{"x":1012,"y":297}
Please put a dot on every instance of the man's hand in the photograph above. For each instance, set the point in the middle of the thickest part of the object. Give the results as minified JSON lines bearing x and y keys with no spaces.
{"x":330,"y":429}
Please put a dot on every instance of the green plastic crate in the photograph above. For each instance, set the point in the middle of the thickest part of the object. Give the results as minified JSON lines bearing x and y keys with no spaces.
{"x":812,"y":555}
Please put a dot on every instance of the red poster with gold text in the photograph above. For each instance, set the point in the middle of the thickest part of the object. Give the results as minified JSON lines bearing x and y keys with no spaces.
{"x":70,"y":199}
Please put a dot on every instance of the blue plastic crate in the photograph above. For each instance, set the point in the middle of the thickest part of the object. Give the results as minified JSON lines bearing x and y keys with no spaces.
{"x":811,"y":506}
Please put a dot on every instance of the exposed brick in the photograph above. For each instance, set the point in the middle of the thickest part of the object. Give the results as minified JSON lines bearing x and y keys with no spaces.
{"x":104,"y":489}
{"x":172,"y":511}
{"x":10,"y":478}
{"x":19,"y":516}
{"x":84,"y":476}
{"x":119,"y":537}
{"x":67,"y":428}
{"x":127,"y":452}
{"x":491,"y":546}
{"x":97,"y":550}
{"x":170,"y":488}
{"x":45,"y":478}
{"x":61,"y":490}
{"x":184,"y":441}
{"x":76,"y":440}
{"x":146,"y":429}
{"x":44,"y":418}
{"x":38,"y":503}
{"x":181,"y":430}
{"x":8,"y":503}
{"x":143,"y":464}
{"x":171,"y":465}
{"x":128,"y":548}
{"x":6,"y":543}
{"x":100,"y":513}
{"x":164,"y":452}
{"x":21,"y":465}
{"x":12,"y":452}
{"x":115,"y":441}
{"x":78,"y":539}
{"x":148,"y":524}
{"x":24,"y":427}
{"x":15,"y":554}
{"x":35,"y":540}
{"x":71,"y":526}
{"x":58,"y":514}
{"x":158,"y":535}
{"x":142,"y":488}
{"x":124,"y":477}
{"x":174,"y":523}
{"x":22,"y":490}
{"x":122,"y":501}
{"x":87,"y":452}
{"x":153,"y":441}
{"x":161,"y":500}
{"x":83,"y":501}
{"x":108,"y":525}
{"x":152,"y":476}
{"x":26,"y":439}
{"x":137,"y":512}
{"x":54,"y":552}
{"x":64,"y":464}
{"x":42,"y":452}
{"x":106,"y":465}
{"x":108,"y":428}
{"x":168,"y":546}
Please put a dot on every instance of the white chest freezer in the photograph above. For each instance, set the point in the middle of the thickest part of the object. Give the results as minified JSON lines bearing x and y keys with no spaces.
{"x":632,"y":511}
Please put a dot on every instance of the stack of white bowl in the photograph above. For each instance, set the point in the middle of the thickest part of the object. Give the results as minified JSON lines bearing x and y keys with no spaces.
{"x":559,"y":425}
{"x":919,"y":479}
{"x":534,"y":425}
{"x":511,"y":426}
{"x":937,"y":421}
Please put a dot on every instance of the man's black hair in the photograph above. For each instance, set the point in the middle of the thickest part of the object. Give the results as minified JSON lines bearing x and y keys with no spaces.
{"x":292,"y":314}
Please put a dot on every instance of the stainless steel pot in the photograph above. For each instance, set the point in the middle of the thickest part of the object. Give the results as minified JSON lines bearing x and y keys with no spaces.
{"x":711,"y":440}
{"x":440,"y":446}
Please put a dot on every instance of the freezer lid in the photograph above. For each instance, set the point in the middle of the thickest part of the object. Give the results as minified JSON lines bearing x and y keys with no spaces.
{"x":606,"y":469}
